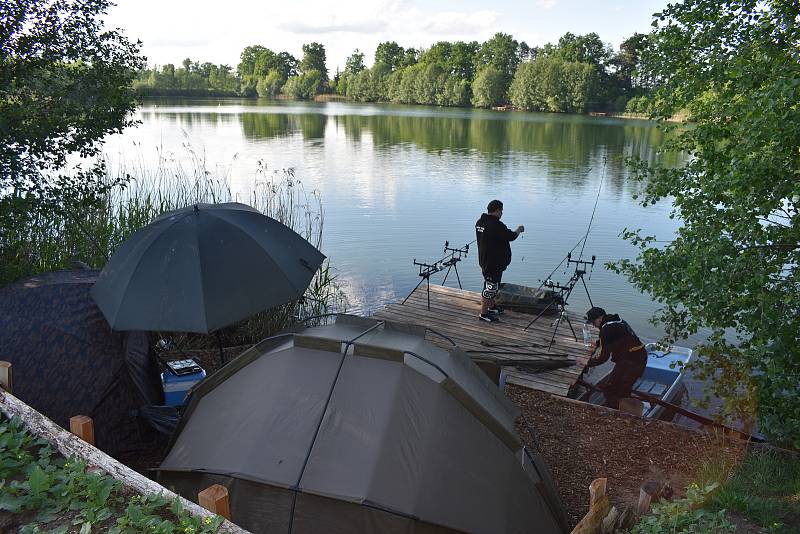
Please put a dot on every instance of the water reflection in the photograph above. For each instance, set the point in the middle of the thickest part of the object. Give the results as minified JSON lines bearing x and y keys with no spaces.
{"x":397,"y":181}
{"x":567,"y":143}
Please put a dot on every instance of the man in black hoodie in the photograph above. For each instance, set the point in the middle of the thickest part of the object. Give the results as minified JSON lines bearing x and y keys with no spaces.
{"x":620,"y":342}
{"x":494,"y":255}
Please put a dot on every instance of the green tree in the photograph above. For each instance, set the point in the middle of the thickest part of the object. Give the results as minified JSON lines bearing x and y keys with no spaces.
{"x":355,"y":63}
{"x":314,"y":60}
{"x":287,"y":64}
{"x":304,"y":86}
{"x":487,"y":89}
{"x":247,"y":59}
{"x":271,"y":84}
{"x":501,"y":53}
{"x":552,"y":84}
{"x":390,"y":54}
{"x":65,"y":84}
{"x":628,"y":63}
{"x":463,"y":58}
{"x":584,"y":49}
{"x":733,"y":265}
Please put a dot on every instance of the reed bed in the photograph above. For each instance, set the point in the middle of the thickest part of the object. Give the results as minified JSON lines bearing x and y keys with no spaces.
{"x":93,"y":221}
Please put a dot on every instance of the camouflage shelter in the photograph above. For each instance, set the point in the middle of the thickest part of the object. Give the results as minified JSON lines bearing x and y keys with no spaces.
{"x":361,"y":426}
{"x":67,"y":361}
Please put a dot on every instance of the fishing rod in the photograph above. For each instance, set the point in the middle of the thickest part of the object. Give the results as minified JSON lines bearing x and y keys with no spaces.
{"x":585,"y":237}
{"x":594,"y":210}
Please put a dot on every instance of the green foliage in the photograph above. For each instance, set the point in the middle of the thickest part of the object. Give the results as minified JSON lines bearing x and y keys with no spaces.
{"x":271,"y":84}
{"x":192,"y":78}
{"x":764,"y":488}
{"x":685,"y":516}
{"x":257,"y":63}
{"x":390,"y":54}
{"x":314,"y":61}
{"x":628,"y":64}
{"x":501,"y":53}
{"x":94,"y":233}
{"x":369,"y":85}
{"x":64,"y":494}
{"x":305,"y":86}
{"x":733,"y":266}
{"x":355,"y":63}
{"x":487,"y":89}
{"x":639,"y":104}
{"x":552,"y":84}
{"x":584,"y":49}
{"x":65,"y":84}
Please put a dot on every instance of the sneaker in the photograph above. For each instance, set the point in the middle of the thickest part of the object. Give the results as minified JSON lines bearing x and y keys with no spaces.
{"x":497,"y":310}
{"x":489,"y":318}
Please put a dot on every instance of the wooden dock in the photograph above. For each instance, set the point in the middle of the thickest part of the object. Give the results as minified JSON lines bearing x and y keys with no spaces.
{"x":454,"y":313}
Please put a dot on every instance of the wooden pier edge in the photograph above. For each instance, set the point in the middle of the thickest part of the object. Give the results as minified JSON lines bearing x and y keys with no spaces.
{"x":70,"y":445}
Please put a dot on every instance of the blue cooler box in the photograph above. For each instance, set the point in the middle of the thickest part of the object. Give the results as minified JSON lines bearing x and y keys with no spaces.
{"x":176,"y":386}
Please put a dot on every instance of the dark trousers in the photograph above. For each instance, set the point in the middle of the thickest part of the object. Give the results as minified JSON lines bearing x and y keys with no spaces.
{"x":621,"y":380}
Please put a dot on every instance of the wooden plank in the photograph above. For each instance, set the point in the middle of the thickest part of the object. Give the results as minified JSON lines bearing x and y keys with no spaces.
{"x":447,"y":321}
{"x":473,"y":297}
{"x":503,"y":331}
{"x":453,"y":313}
{"x":473,"y":331}
{"x":569,"y":374}
{"x":510,"y":322}
{"x":515,"y":319}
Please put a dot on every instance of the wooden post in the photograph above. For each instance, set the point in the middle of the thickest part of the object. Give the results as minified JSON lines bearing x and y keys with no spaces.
{"x":596,"y":490}
{"x":632,"y":406}
{"x":215,"y":499}
{"x":5,"y":377}
{"x":648,"y":493}
{"x":598,"y":509}
{"x":83,"y":427}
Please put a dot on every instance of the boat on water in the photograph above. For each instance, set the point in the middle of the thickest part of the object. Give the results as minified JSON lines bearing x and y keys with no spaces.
{"x":524,"y":299}
{"x":662,"y":378}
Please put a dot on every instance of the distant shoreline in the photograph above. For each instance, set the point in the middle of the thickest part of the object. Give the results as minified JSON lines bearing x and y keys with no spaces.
{"x":681,"y":117}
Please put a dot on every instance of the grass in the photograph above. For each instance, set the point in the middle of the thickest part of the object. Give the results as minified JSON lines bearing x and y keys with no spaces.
{"x":763,"y":487}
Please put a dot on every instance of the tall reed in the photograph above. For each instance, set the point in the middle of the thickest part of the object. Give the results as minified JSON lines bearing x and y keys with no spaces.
{"x":136,"y":190}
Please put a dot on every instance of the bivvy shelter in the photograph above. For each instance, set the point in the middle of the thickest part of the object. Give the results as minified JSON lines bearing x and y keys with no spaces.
{"x":361,"y":426}
{"x":68,"y":362}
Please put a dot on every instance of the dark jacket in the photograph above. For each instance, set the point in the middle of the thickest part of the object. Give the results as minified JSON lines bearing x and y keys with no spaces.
{"x":620,"y":342}
{"x":494,"y":238}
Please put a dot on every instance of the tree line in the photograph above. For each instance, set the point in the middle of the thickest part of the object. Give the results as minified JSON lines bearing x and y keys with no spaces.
{"x":577,"y":74}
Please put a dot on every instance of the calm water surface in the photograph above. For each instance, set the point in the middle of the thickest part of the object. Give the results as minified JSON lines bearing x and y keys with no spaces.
{"x":397,"y":181}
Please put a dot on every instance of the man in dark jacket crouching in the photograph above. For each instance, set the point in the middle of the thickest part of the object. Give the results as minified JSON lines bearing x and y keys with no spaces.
{"x":494,"y":255}
{"x":620,"y":342}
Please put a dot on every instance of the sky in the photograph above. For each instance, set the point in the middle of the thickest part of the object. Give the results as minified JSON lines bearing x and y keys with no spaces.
{"x":172,"y":30}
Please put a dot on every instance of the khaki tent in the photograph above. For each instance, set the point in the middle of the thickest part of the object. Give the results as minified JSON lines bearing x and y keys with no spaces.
{"x":361,"y":426}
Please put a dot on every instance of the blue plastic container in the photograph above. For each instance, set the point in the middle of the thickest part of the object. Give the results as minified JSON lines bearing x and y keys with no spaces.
{"x":176,"y":387}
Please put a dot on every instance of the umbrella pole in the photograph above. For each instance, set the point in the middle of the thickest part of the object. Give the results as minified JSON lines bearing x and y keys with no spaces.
{"x":221,"y":352}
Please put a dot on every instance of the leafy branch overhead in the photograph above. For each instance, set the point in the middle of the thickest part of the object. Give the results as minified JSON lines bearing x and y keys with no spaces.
{"x":733,"y":266}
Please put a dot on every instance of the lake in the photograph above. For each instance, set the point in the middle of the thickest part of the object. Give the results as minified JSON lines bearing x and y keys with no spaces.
{"x":396,"y":182}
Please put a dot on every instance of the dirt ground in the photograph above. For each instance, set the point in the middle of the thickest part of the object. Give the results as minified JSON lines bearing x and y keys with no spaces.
{"x":581,"y":442}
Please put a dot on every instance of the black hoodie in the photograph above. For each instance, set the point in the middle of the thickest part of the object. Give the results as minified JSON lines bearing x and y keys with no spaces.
{"x":494,"y":250}
{"x":620,"y":342}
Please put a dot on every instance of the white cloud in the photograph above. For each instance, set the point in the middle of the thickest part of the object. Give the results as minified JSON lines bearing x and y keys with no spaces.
{"x":546,"y":4}
{"x":455,"y":23}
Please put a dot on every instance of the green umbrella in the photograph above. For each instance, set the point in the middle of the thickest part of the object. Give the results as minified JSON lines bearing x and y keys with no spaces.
{"x":204,"y":267}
